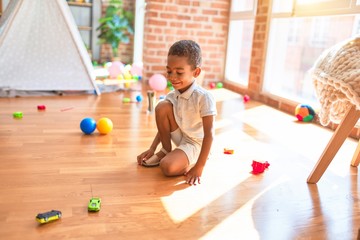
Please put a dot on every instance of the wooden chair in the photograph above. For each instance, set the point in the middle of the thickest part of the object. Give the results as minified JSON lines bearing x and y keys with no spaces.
{"x":336,"y":77}
{"x":338,"y":138}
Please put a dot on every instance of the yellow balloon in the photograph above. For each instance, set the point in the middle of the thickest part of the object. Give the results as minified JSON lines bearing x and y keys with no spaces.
{"x":104,"y":125}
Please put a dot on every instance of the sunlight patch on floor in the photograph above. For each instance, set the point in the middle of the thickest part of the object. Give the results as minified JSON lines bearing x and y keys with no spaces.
{"x":185,"y":203}
{"x":307,"y":139}
{"x":238,"y":225}
{"x":222,"y":123}
{"x":222,"y":94}
{"x":222,"y":173}
{"x":244,"y":145}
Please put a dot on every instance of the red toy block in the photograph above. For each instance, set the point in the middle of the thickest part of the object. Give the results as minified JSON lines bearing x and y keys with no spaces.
{"x":259,"y":167}
{"x":228,"y":151}
{"x":41,"y":107}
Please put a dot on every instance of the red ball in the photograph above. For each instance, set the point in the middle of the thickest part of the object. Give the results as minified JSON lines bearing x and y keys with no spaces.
{"x":212,"y":85}
{"x":246,"y":98}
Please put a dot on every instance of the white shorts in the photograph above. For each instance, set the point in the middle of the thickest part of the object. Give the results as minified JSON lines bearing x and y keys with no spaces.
{"x":189,"y":146}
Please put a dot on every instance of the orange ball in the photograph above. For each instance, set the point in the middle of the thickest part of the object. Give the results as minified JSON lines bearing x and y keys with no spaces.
{"x":104,"y":125}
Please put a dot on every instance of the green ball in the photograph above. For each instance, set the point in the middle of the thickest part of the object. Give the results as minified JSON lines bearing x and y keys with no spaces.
{"x":219,"y":85}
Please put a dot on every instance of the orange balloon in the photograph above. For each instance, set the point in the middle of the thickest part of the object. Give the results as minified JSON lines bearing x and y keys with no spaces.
{"x":104,"y":125}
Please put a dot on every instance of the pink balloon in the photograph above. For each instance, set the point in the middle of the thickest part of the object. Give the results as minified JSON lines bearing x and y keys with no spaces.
{"x":157,"y":82}
{"x":137,"y":69}
{"x":116,"y":69}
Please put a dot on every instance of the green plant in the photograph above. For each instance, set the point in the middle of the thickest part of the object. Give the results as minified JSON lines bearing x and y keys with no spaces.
{"x":116,"y":26}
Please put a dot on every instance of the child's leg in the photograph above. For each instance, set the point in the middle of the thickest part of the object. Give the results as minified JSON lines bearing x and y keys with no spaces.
{"x":166,"y":124}
{"x":182,"y":158}
{"x":174,"y":163}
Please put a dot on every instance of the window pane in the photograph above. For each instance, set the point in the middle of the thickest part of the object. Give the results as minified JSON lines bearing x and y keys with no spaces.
{"x":282,"y":6}
{"x":302,"y":2}
{"x":242,"y":5}
{"x":239,"y":51}
{"x":294,"y":45}
{"x":358,"y":2}
{"x":321,"y":5}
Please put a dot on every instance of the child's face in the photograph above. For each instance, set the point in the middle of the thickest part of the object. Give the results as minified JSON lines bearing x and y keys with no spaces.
{"x":180,"y":73}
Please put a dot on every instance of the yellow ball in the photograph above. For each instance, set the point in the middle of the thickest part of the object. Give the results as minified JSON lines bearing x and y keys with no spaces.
{"x":104,"y":125}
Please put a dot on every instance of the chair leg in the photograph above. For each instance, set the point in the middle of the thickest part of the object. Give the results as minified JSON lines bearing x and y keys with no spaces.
{"x":338,"y":138}
{"x":356,"y":158}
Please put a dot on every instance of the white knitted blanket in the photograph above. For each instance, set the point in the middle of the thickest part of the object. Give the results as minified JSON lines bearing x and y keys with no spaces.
{"x":336,"y":77}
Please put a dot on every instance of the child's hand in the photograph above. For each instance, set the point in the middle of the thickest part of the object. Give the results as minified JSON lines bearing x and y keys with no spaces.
{"x":193,"y":175}
{"x":145,"y":155}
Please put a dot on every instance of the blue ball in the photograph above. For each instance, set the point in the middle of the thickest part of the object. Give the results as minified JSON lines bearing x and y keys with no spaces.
{"x":88,"y":125}
{"x":139,"y":98}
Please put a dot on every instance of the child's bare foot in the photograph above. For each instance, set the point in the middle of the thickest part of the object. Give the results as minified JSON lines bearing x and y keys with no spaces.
{"x":155,"y":159}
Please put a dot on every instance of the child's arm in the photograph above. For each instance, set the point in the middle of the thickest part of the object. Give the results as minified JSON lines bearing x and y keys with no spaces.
{"x":148,"y":153}
{"x":194,"y":174}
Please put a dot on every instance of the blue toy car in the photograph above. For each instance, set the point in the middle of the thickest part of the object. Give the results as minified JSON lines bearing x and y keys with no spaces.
{"x":48,"y":216}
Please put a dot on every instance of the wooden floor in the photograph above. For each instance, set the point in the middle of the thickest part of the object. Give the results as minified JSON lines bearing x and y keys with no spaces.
{"x":47,"y":163}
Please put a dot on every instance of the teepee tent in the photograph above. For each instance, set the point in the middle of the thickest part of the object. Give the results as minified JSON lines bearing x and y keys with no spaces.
{"x":41,"y":49}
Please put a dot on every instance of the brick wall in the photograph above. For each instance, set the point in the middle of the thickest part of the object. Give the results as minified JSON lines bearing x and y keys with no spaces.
{"x":203,"y":21}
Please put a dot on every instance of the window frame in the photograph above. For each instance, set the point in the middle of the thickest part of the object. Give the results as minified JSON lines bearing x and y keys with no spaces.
{"x":236,"y":16}
{"x":335,"y":7}
{"x":353,"y":8}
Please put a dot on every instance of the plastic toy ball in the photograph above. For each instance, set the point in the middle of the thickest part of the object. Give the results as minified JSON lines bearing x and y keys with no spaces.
{"x":88,"y":125}
{"x":135,"y":77}
{"x":304,"y":113}
{"x":212,"y":85}
{"x":137,"y":69}
{"x":158,"y":82}
{"x":115,"y":69}
{"x":139,"y":98}
{"x":127,"y":76}
{"x":246,"y":98}
{"x":219,"y":85}
{"x":104,"y":125}
{"x":107,"y":64}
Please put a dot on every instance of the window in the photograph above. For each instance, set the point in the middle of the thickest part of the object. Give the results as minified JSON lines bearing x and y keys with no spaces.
{"x":319,"y":32}
{"x":282,"y":6}
{"x":242,"y":5}
{"x":240,"y":37}
{"x":296,"y":42}
{"x":356,"y":30}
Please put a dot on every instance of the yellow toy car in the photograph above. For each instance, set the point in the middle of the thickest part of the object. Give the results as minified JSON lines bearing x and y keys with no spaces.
{"x":48,"y":216}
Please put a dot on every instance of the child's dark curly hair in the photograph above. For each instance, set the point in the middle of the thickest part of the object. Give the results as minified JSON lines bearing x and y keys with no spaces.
{"x":189,"y":49}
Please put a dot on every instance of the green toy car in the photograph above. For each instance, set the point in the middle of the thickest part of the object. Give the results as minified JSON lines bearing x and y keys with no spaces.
{"x":48,"y":216}
{"x":18,"y":115}
{"x":94,"y":204}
